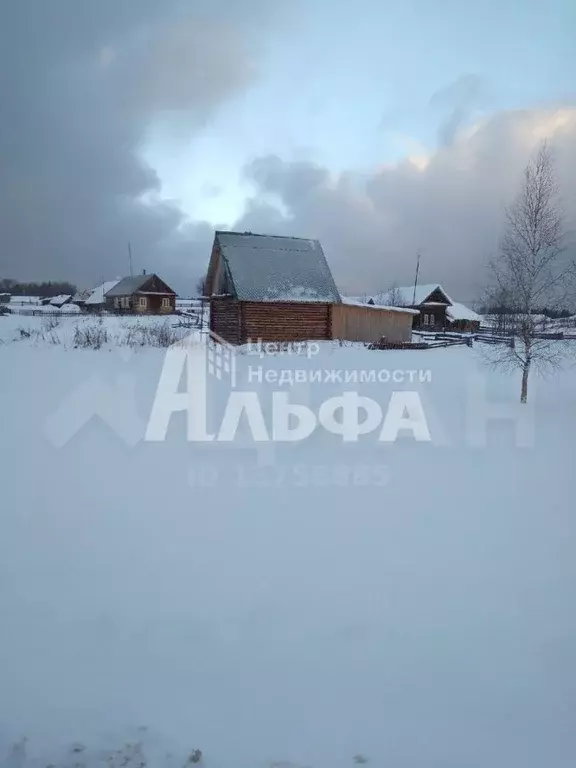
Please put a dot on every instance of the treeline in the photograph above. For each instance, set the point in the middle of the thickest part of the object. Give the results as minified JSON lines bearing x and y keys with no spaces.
{"x":44,"y":290}
{"x":553,"y":314}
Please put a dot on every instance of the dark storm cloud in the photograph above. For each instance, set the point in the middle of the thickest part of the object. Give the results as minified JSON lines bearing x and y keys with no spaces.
{"x":448,"y":206}
{"x":81,"y":82}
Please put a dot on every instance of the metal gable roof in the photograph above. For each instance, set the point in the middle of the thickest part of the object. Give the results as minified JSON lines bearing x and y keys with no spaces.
{"x":422,"y":292}
{"x":275,"y":269}
{"x":128,"y":285}
{"x":405,"y":295}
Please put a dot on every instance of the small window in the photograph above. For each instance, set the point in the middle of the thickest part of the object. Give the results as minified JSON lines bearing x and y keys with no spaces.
{"x":116,"y":303}
{"x":166,"y":302}
{"x":125,"y":302}
{"x":142,"y":302}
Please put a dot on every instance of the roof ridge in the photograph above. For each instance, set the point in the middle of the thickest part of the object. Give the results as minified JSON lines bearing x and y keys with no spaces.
{"x":263,"y":234}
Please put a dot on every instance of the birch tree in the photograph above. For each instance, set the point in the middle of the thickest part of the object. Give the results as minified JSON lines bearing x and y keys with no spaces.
{"x":394,"y":297}
{"x":530,"y":272}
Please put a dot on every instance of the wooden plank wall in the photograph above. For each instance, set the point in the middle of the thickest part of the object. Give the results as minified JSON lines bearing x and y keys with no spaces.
{"x":355,"y":323}
{"x":269,"y":321}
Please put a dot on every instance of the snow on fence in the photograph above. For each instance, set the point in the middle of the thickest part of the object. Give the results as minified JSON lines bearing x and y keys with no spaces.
{"x":39,"y":311}
{"x":397,"y":345}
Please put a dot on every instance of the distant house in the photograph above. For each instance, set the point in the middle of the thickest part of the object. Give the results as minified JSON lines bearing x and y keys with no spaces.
{"x":269,"y":288}
{"x":5,"y":298}
{"x":437,"y":311}
{"x":96,"y":301}
{"x":59,"y":301}
{"x":79,"y":299}
{"x":430,"y":300}
{"x":144,"y":293}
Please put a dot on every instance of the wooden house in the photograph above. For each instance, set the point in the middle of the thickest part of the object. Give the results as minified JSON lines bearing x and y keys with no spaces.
{"x":143,"y":294}
{"x":269,"y":288}
{"x":280,"y":289}
{"x":430,"y":300}
{"x":436,"y":310}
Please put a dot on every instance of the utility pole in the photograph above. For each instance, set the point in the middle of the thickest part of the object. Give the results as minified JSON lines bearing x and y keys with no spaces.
{"x":130,"y":258}
{"x":416,"y":278}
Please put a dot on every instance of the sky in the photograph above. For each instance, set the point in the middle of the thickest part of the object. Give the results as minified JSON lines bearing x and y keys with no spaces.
{"x":382,"y":129}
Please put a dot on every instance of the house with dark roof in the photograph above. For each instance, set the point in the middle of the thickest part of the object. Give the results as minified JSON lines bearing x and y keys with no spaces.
{"x":436,"y":308}
{"x":269,"y":288}
{"x":142,"y":294}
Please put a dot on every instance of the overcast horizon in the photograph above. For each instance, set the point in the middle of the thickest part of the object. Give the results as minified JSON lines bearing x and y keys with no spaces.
{"x":380,"y":130}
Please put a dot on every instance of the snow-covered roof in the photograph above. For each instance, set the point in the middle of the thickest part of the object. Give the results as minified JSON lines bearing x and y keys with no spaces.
{"x":130,"y":285}
{"x":359,"y":303}
{"x":24,"y":299}
{"x":405,"y":294}
{"x":81,"y":295}
{"x":57,"y":301}
{"x":273,"y":268}
{"x":458,"y":311}
{"x":70,"y":308}
{"x":98,"y":294}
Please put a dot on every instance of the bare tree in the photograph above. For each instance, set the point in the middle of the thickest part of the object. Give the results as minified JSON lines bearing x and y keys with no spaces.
{"x":530,"y":273}
{"x":395,"y":297}
{"x":201,"y":286}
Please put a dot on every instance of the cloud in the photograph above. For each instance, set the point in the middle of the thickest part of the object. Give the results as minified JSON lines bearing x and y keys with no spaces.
{"x":460,"y":99}
{"x":82,"y":84}
{"x":447,"y":204}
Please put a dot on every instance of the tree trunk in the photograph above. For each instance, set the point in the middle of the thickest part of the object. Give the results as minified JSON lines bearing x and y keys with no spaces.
{"x":525,"y":374}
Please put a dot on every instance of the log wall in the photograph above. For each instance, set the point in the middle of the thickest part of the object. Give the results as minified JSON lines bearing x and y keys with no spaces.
{"x":225,"y":319}
{"x":242,"y":322}
{"x":282,"y":321}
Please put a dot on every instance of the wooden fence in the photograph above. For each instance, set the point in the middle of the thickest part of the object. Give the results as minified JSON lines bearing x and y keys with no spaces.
{"x":41,"y":312}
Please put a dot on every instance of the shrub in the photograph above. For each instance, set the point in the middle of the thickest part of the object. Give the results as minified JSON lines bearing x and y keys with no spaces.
{"x":90,"y":336}
{"x":163,"y":335}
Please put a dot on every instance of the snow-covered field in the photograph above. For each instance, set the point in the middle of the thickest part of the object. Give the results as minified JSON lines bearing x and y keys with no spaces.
{"x":306,"y":602}
{"x":59,"y":329}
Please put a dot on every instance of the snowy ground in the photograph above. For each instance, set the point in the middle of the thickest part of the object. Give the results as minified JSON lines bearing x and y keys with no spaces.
{"x":303,"y":603}
{"x":59,"y":329}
